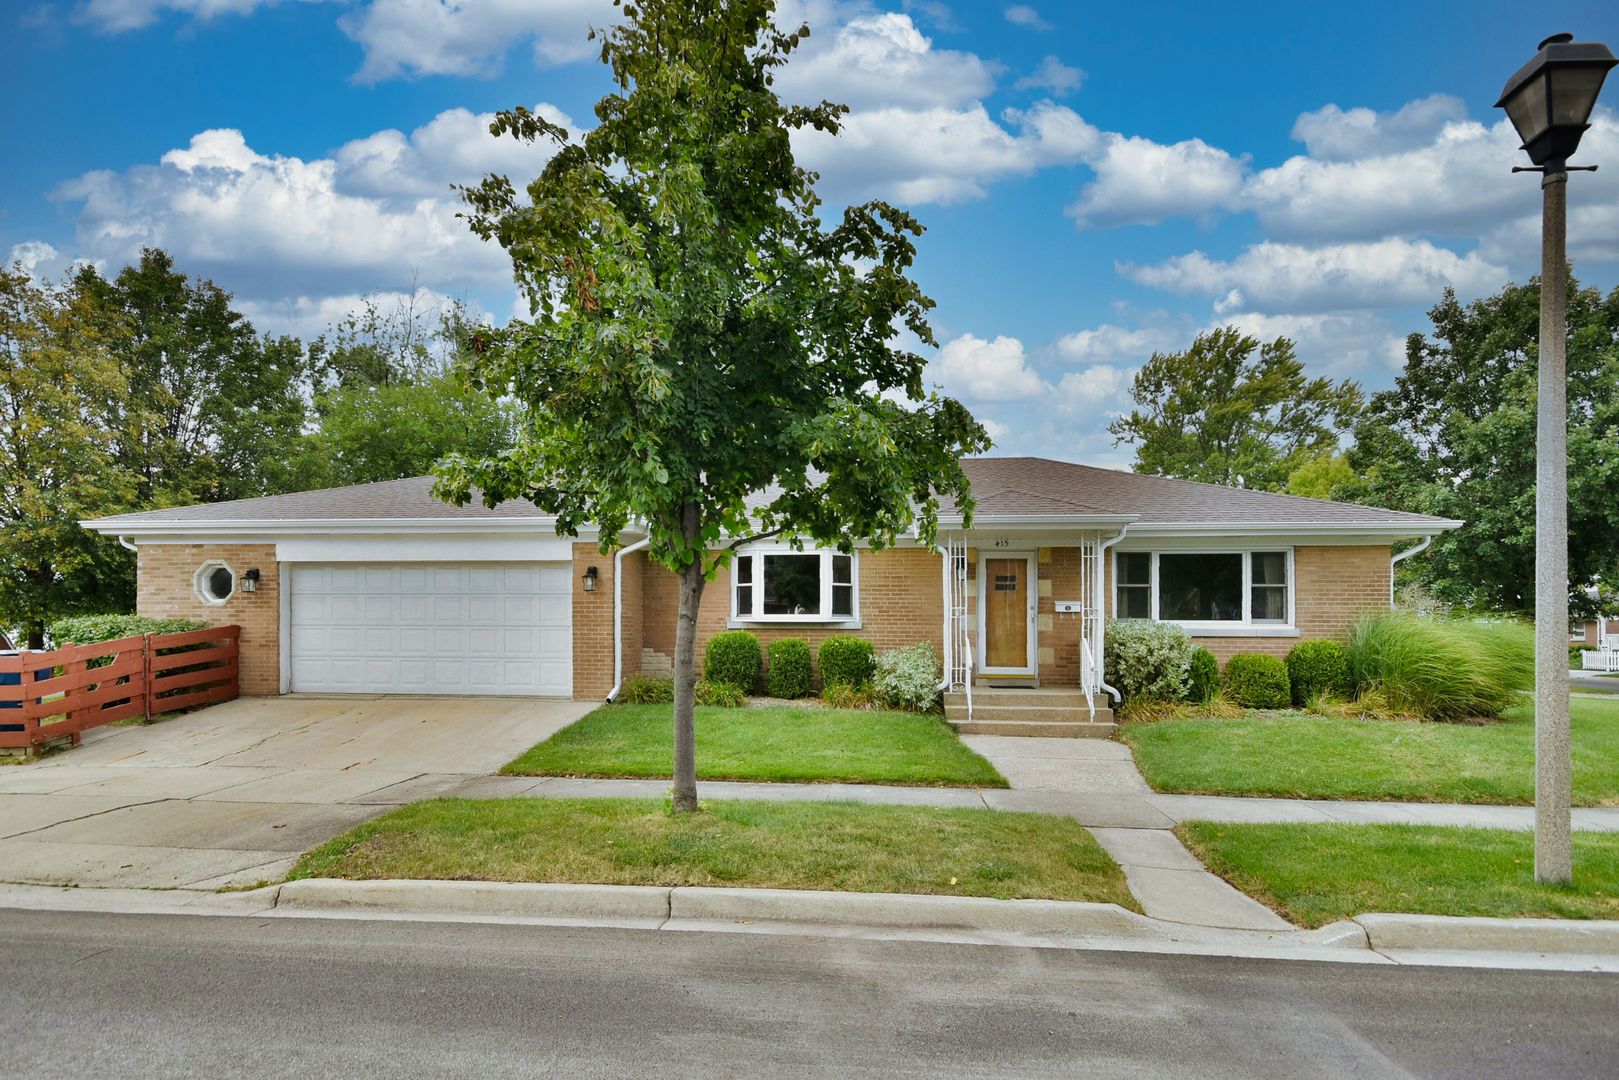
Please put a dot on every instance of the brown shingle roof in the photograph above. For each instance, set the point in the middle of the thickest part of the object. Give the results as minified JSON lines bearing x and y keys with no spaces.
{"x":1002,"y":486}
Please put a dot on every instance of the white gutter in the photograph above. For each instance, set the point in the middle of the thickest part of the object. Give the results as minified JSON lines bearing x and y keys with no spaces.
{"x":1400,"y":558}
{"x":618,"y":613}
{"x":1101,"y":607}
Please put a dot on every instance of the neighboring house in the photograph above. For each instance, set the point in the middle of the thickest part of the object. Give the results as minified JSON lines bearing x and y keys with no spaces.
{"x":382,"y":588}
{"x":1591,"y":632}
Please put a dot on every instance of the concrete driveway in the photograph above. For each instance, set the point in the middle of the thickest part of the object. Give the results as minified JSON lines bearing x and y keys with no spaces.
{"x":232,"y":794}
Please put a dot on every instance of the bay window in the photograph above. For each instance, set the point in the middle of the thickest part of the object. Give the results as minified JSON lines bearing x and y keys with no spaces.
{"x":780,"y":584}
{"x":1205,"y":590}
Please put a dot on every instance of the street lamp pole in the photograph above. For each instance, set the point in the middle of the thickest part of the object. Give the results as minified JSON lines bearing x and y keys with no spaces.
{"x":1553,"y":763}
{"x":1549,"y":101}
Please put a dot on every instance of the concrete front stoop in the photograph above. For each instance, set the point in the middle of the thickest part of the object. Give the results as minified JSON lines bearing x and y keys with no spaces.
{"x":1037,"y":712}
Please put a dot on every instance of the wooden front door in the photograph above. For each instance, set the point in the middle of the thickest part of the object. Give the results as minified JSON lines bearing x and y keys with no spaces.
{"x":1006,"y":614}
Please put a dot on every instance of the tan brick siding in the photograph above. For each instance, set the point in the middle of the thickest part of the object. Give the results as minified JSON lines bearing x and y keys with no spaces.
{"x":164,"y":589}
{"x":593,"y":624}
{"x":900,"y":604}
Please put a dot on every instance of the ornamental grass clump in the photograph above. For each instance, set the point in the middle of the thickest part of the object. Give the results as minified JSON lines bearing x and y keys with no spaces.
{"x":1147,"y":659}
{"x":1442,"y":669}
{"x":908,"y":678}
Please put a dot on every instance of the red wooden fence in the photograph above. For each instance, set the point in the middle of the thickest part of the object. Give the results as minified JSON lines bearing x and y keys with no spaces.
{"x":60,"y":693}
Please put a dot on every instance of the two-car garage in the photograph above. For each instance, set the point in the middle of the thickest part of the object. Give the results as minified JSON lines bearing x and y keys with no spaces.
{"x":414,"y":628}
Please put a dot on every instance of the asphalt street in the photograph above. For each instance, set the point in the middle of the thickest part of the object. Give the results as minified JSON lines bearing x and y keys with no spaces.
{"x":150,"y":995}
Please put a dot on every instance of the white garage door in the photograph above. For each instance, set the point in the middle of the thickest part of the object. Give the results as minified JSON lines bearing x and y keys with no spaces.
{"x":426,"y":629}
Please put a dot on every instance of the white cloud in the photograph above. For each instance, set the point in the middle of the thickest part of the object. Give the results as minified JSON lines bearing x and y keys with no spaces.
{"x":1342,"y":344}
{"x":1334,"y":134}
{"x":1113,"y":342}
{"x":882,"y":60}
{"x":1139,"y":181}
{"x":455,"y":147}
{"x":38,"y":259}
{"x":462,"y":37}
{"x":1026,"y":16}
{"x":117,"y":16}
{"x":941,"y":155}
{"x":1087,"y":388}
{"x":979,"y":370}
{"x":309,"y":316}
{"x":268,"y":225}
{"x":1274,"y":277}
{"x":1052,"y":75}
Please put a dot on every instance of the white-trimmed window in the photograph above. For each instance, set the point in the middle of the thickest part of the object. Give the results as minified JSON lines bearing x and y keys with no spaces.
{"x":774,"y":583}
{"x":214,"y":582}
{"x":1206,"y":590}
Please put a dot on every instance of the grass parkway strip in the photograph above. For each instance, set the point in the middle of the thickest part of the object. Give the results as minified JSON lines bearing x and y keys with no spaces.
{"x":782,"y":744}
{"x":1315,"y":874}
{"x":834,"y":846}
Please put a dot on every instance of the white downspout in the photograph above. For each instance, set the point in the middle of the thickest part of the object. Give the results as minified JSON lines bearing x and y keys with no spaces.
{"x":618,"y":613}
{"x":1400,"y":558}
{"x":1101,"y":609}
{"x":948,"y":638}
{"x":123,"y":541}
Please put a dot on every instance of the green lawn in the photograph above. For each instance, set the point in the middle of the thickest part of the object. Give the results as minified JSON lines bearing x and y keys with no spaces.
{"x":839,"y":846}
{"x":1297,"y":755}
{"x":1315,"y":874}
{"x":780,"y":743}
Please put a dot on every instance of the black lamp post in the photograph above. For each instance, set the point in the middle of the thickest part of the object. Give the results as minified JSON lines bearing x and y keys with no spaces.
{"x":1549,"y":102}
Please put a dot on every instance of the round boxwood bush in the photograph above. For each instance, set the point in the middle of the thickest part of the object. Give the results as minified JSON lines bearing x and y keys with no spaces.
{"x":788,"y":675}
{"x":1257,"y":681}
{"x":1203,"y":679}
{"x":1319,"y":667}
{"x":733,"y":658}
{"x":847,"y":661}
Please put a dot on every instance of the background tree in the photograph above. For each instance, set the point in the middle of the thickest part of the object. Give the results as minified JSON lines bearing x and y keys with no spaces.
{"x":1230,"y":410}
{"x":215,"y":411}
{"x":61,"y":406}
{"x":1456,"y":437}
{"x":391,"y":399}
{"x":699,"y":339}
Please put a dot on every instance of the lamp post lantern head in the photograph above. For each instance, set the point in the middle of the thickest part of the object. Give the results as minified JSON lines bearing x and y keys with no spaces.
{"x":1549,"y":99}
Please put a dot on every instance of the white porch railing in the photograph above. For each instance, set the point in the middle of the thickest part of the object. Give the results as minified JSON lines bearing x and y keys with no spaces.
{"x":958,"y":646}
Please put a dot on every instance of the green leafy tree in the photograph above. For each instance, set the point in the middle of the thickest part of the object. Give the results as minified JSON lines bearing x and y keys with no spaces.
{"x":215,"y":411}
{"x":392,"y":399}
{"x":1456,"y":438}
{"x":706,"y":359}
{"x":1320,"y":476}
{"x":1230,"y":410}
{"x":61,"y":409}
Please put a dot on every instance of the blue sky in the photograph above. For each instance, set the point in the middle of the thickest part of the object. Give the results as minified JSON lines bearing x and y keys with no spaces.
{"x":1099,"y":181}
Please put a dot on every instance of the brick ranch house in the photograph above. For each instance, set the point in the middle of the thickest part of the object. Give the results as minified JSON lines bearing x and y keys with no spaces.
{"x":381,"y":588}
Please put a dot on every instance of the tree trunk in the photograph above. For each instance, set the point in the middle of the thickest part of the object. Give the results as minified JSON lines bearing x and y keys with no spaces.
{"x":36,"y":635}
{"x":691,"y":598}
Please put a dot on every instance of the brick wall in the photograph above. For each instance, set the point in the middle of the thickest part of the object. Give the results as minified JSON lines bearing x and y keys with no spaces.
{"x":1332,"y":587}
{"x":593,"y":623}
{"x":899,"y":599}
{"x":164,"y":589}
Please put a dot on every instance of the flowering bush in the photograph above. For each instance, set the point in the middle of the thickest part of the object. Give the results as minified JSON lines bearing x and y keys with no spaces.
{"x":1147,"y":659}
{"x":909,"y":678}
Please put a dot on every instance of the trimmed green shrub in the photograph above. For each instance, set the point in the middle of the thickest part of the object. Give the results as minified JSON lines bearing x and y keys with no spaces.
{"x":908,"y":678}
{"x":1202,"y":677}
{"x":788,"y":675}
{"x":1257,"y":681}
{"x":733,"y":658}
{"x":89,"y":629}
{"x":645,"y":690}
{"x":846,"y":661}
{"x":1319,"y":667}
{"x":1442,"y":669}
{"x":1575,"y":662}
{"x":1147,"y":659}
{"x":720,"y":695}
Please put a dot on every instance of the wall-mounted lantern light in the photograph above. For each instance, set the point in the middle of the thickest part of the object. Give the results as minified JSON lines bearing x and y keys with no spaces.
{"x":250,"y":580}
{"x":590,"y":579}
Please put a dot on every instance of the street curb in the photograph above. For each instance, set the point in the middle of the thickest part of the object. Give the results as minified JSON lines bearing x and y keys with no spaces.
{"x":1455,"y":933}
{"x":893,"y":911}
{"x":644,"y":903}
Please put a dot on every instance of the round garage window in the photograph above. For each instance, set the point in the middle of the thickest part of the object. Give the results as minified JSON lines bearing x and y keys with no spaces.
{"x":215,"y":583}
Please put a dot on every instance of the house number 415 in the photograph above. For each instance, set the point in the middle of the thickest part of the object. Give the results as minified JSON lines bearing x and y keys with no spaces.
{"x":1003,"y":542}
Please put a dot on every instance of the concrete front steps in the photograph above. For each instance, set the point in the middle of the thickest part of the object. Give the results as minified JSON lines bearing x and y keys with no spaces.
{"x":1043,"y":712}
